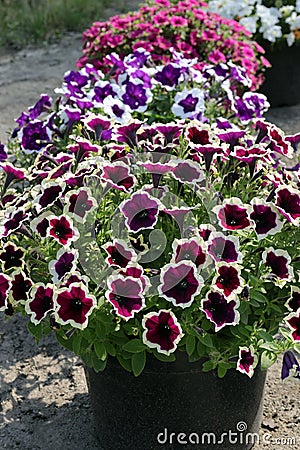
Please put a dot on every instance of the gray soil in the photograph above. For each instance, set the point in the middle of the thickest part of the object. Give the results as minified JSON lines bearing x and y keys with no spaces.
{"x":44,"y":404}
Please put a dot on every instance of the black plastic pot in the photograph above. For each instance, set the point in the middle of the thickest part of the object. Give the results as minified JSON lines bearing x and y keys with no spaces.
{"x":173,"y":405}
{"x":282,"y":80}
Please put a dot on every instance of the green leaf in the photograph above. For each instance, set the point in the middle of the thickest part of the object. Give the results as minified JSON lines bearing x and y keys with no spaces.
{"x":222,"y":369}
{"x":207,"y":366}
{"x":165,"y":358}
{"x":77,"y":339}
{"x":101,"y":331}
{"x":125,"y":363}
{"x":36,"y":330}
{"x":190,"y":344}
{"x":265,"y":336}
{"x":110,"y":348}
{"x":267,"y":360}
{"x":138,"y":362}
{"x":258,"y":296}
{"x":206,"y":340}
{"x":134,"y":346}
{"x":100,"y":350}
{"x":97,"y":364}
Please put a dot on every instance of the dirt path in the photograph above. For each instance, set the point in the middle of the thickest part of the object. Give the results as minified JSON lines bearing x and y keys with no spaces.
{"x":44,"y":403}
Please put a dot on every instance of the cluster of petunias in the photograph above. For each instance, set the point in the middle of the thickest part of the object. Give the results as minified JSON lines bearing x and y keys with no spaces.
{"x":130,"y":239}
{"x":272,"y":21}
{"x":186,"y":26}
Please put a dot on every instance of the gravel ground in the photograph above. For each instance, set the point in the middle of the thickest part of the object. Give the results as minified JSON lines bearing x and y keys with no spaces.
{"x":44,"y":402}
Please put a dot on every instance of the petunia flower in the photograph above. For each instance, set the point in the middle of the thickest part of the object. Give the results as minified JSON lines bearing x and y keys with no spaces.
{"x":232,"y":214}
{"x":265,"y":217}
{"x":162,"y":331}
{"x":188,"y":172}
{"x":278,"y":143}
{"x":193,"y":250}
{"x":3,"y":152}
{"x":12,"y":256}
{"x":74,"y":277}
{"x":12,"y":221}
{"x":99,"y":125}
{"x":287,"y":201}
{"x":293,"y":322}
{"x":119,"y":254}
{"x":35,"y":136}
{"x":224,"y":248}
{"x":125,"y":294}
{"x":189,"y":104}
{"x":219,"y":310}
{"x":118,"y":176}
{"x":140,"y":211}
{"x":40,"y":302}
{"x":228,"y":280}
{"x":205,"y":230}
{"x":40,"y":224}
{"x":180,"y":283}
{"x":134,"y":270}
{"x":278,"y":262}
{"x":73,"y":305}
{"x":79,"y":203}
{"x":50,"y":193}
{"x":293,"y":303}
{"x":290,"y":367}
{"x":64,"y":263}
{"x":247,"y":361}
{"x":20,"y":286}
{"x":62,"y":230}
{"x":169,"y":76}
{"x":5,"y":286}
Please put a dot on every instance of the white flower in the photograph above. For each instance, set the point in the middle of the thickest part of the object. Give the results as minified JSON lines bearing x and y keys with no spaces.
{"x":290,"y":38}
{"x":294,"y":21}
{"x":298,"y":6}
{"x":250,"y":23}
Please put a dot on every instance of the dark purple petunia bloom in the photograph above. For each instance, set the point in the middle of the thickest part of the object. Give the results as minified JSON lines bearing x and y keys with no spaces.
{"x":61,"y":229}
{"x":125,"y":294}
{"x":83,"y":148}
{"x":188,"y":172}
{"x":12,"y":174}
{"x":40,"y":302}
{"x":294,"y":140}
{"x":205,"y":230}
{"x":35,"y":136}
{"x":74,"y":305}
{"x":79,"y":204}
{"x":265,"y":218}
{"x":293,"y":303}
{"x":64,"y":263}
{"x":224,"y":248}
{"x":13,"y":221}
{"x":21,"y":285}
{"x":50,"y":193}
{"x":278,"y":142}
{"x":43,"y":104}
{"x":293,"y":322}
{"x":278,"y":261}
{"x":231,"y":136}
{"x":170,"y":132}
{"x":40,"y":224}
{"x":135,"y":96}
{"x":228,"y":280}
{"x":246,"y":361}
{"x":219,"y":311}
{"x":102,"y":90}
{"x":206,"y":152}
{"x":3,"y":152}
{"x":162,"y":331}
{"x":100,"y":125}
{"x":5,"y":285}
{"x":198,"y":136}
{"x":76,"y":78}
{"x":180,"y":283}
{"x":127,"y":133}
{"x":287,"y":201}
{"x":74,"y":277}
{"x":12,"y":256}
{"x":232,"y":215}
{"x":140,"y":211}
{"x":251,"y":105}
{"x":191,"y":250}
{"x":290,"y":367}
{"x":136,"y":271}
{"x":157,"y":170}
{"x":189,"y":104}
{"x":118,"y":176}
{"x":119,"y":253}
{"x":168,"y":76}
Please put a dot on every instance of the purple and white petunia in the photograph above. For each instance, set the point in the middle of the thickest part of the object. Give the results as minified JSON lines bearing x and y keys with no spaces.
{"x":224,"y":248}
{"x":125,"y":294}
{"x":73,"y":305}
{"x":40,"y":224}
{"x":40,"y":302}
{"x":62,"y":230}
{"x":188,"y":172}
{"x":140,"y":211}
{"x":134,"y":270}
{"x":189,"y":104}
{"x":11,"y":256}
{"x":3,"y":152}
{"x":287,"y":201}
{"x":35,"y":136}
{"x":169,"y":76}
{"x":193,"y":250}
{"x":180,"y":283}
{"x":50,"y":193}
{"x":232,"y":214}
{"x":5,"y":286}
{"x":119,"y":254}
{"x":20,"y":285}
{"x":278,"y":262}
{"x":79,"y":203}
{"x":290,"y":367}
{"x":247,"y":361}
{"x":12,"y":220}
{"x":219,"y":310}
{"x":162,"y":331}
{"x":228,"y":280}
{"x":64,"y":263}
{"x":265,"y":217}
{"x":293,"y":303}
{"x":293,"y":322}
{"x":118,"y":176}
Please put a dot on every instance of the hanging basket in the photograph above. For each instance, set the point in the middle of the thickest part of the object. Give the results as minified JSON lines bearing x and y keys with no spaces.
{"x":175,"y":406}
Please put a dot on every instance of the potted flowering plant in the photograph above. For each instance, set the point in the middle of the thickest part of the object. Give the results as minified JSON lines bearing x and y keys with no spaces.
{"x":275,"y":25}
{"x":187,"y":26}
{"x":156,"y":251}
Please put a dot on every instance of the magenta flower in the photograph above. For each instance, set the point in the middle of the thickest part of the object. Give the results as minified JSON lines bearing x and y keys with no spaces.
{"x":188,"y":172}
{"x":119,"y":254}
{"x":265,"y":218}
{"x":232,"y":215}
{"x":136,"y":271}
{"x":21,"y":285}
{"x":79,"y":204}
{"x":224,"y":248}
{"x":100,"y":125}
{"x":40,"y":224}
{"x":205,"y":230}
{"x":5,"y":285}
{"x":51,"y":192}
{"x":247,"y":361}
{"x":73,"y":305}
{"x":11,"y":256}
{"x":293,"y":322}
{"x":228,"y":280}
{"x":278,"y":262}
{"x":140,"y":211}
{"x":287,"y":201}
{"x":64,"y":263}
{"x":293,"y":303}
{"x":12,"y":174}
{"x":125,"y":294}
{"x":190,"y":250}
{"x":127,"y":133}
{"x":180,"y":283}
{"x":12,"y":221}
{"x":61,"y":228}
{"x":118,"y":176}
{"x":162,"y":331}
{"x":219,"y":310}
{"x":278,"y":143}
{"x":35,"y":136}
{"x":40,"y":302}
